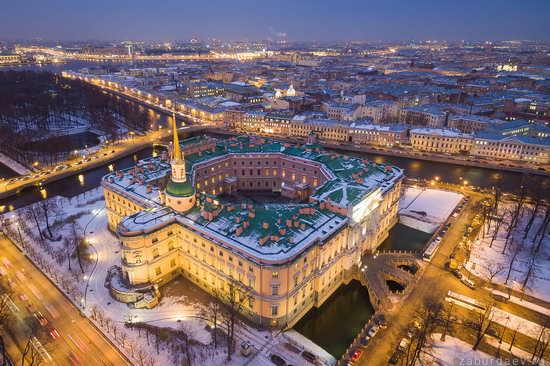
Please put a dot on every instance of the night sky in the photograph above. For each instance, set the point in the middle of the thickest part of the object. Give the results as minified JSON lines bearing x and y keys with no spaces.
{"x":322,"y":20}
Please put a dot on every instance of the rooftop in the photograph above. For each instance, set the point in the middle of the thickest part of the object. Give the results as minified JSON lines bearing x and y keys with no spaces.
{"x":267,"y":234}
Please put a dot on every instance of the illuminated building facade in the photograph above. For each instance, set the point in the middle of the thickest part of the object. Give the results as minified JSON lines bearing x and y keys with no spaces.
{"x":174,"y":218}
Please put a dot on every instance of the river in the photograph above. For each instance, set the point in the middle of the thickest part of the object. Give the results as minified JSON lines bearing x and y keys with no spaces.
{"x":338,"y":321}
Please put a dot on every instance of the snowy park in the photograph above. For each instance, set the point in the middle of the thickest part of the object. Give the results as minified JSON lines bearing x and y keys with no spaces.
{"x":513,"y":250}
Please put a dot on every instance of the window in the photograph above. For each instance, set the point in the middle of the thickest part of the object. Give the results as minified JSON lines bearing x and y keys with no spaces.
{"x":158,"y":271}
{"x":154,"y":240}
{"x":274,"y":274}
{"x":155,"y":252}
{"x":274,"y":310}
{"x":172,"y":262}
{"x":275,"y":290}
{"x":251,"y":302}
{"x":170,"y":245}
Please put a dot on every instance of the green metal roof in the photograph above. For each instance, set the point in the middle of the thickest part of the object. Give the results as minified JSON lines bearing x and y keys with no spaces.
{"x":179,"y":189}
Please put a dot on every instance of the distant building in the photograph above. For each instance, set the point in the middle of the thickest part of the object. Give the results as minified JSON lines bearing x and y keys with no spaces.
{"x":469,"y":123}
{"x":379,"y":135}
{"x":380,"y":111}
{"x":423,"y":116}
{"x":440,"y":140}
{"x":203,"y":89}
{"x":10,"y":59}
{"x":243,"y":93}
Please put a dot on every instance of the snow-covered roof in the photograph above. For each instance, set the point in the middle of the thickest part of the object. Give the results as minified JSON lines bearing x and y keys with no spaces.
{"x":262,"y":231}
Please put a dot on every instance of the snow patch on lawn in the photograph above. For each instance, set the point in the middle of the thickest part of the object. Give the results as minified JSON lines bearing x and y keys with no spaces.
{"x":427,"y":208}
{"x":451,"y":351}
{"x":496,"y":261}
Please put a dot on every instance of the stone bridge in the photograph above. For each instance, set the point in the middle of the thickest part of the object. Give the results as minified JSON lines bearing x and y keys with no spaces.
{"x":378,"y":268}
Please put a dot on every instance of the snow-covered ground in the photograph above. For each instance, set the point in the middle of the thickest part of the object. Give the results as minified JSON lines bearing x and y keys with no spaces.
{"x":498,"y":260}
{"x":426,"y":208}
{"x":453,"y":352}
{"x":13,"y":165}
{"x":177,"y":310}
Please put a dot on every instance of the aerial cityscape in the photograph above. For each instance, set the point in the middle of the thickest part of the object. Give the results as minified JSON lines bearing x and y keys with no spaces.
{"x":321,"y":183}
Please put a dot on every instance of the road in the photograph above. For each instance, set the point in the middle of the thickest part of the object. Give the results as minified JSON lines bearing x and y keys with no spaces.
{"x":434,"y":284}
{"x":79,"y":342}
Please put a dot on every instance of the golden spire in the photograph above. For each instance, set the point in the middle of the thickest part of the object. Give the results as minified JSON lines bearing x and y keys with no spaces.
{"x":176,"y":147}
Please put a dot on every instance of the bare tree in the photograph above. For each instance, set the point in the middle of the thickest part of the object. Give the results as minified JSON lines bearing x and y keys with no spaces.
{"x":234,"y":301}
{"x":50,"y":209}
{"x":493,"y":269}
{"x":483,"y":321}
{"x":498,"y":224}
{"x":141,"y":356}
{"x":78,"y":246}
{"x":213,"y":313}
{"x":187,"y":334}
{"x":6,"y":316}
{"x":532,"y":270}
{"x":518,"y":207}
{"x":30,"y":212}
{"x":541,"y":344}
{"x":30,"y":351}
{"x":514,"y":249}
{"x":534,"y":212}
{"x":542,"y":228}
{"x":421,"y":340}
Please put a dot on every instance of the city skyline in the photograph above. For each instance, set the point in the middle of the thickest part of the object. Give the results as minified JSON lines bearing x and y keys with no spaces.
{"x":325,"y":21}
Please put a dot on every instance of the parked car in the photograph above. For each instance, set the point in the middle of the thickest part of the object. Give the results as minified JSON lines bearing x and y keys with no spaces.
{"x":356,"y":355}
{"x":499,"y":297}
{"x":395,"y":357}
{"x":381,"y":321}
{"x":246,"y":348}
{"x":457,"y":273}
{"x":364,"y":341}
{"x":373,"y":330}
{"x":277,"y":360}
{"x":468,"y":282}
{"x":309,"y":356}
{"x":403,"y":344}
